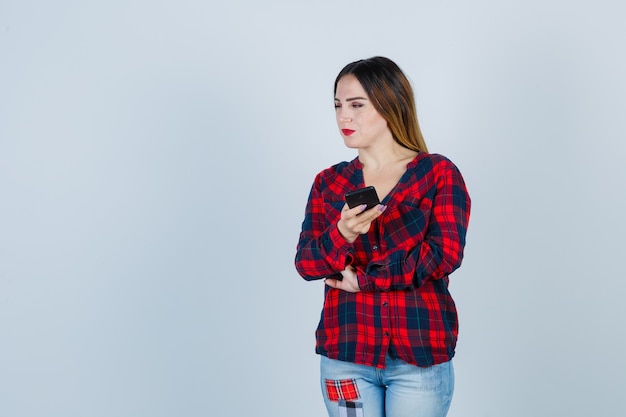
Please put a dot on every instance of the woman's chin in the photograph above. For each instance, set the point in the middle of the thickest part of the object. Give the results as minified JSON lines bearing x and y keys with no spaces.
{"x":351,"y":143}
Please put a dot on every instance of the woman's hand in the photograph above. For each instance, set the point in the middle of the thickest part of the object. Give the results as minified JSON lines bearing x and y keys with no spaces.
{"x":348,"y":283}
{"x":353,"y":223}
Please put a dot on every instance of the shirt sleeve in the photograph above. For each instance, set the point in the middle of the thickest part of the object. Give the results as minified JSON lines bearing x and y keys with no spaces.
{"x":438,"y":253}
{"x":322,"y":251}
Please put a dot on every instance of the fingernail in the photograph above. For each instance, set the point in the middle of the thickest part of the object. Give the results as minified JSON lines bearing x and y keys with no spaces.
{"x":382,"y":208}
{"x":363,"y":207}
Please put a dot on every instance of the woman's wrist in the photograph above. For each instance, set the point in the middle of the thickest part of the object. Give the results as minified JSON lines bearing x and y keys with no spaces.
{"x":343,"y":233}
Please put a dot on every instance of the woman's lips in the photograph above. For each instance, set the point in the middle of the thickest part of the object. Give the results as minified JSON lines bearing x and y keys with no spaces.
{"x":347,"y":132}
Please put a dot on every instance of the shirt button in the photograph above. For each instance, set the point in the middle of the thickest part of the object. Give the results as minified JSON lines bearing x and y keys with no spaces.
{"x":375,"y":247}
{"x":385,"y":304}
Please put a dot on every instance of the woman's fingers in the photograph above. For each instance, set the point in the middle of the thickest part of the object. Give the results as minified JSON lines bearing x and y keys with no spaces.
{"x":348,"y":282}
{"x":356,"y":221}
{"x":365,"y":219}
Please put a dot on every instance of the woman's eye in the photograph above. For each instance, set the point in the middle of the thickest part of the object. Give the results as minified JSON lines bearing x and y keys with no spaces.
{"x":337,"y":106}
{"x":357,"y":105}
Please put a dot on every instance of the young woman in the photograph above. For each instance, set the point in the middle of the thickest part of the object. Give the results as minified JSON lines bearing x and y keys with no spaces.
{"x":388,"y":327}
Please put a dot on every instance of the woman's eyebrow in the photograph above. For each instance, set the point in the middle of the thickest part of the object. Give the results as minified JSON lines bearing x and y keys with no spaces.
{"x":352,"y":98}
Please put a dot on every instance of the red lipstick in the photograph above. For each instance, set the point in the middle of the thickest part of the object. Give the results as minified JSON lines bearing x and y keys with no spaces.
{"x":347,"y":132}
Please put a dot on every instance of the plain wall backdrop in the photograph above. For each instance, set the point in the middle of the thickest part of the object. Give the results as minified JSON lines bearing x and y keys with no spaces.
{"x":156,"y":157}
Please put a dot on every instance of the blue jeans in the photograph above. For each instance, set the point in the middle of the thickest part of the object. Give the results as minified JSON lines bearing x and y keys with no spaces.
{"x":399,"y":390}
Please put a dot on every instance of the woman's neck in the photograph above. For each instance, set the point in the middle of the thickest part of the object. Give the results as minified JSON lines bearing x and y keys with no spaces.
{"x":383,"y":156}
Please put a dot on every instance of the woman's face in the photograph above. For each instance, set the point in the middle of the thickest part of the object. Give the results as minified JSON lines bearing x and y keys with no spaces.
{"x":360,"y":124}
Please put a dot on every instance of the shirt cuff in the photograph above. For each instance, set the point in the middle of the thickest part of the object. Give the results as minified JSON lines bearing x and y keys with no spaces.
{"x":365,"y":283}
{"x":338,"y":248}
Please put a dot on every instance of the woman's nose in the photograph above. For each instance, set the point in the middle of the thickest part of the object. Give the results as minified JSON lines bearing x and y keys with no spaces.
{"x":345,"y":117}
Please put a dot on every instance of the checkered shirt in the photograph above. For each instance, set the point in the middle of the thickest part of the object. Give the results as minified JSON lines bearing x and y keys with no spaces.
{"x":402,"y":264}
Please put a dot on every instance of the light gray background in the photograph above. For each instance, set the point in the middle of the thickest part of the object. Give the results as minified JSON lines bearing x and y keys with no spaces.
{"x":156,"y":156}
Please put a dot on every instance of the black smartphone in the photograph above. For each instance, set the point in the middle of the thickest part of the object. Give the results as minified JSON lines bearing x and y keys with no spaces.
{"x":361,"y":196}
